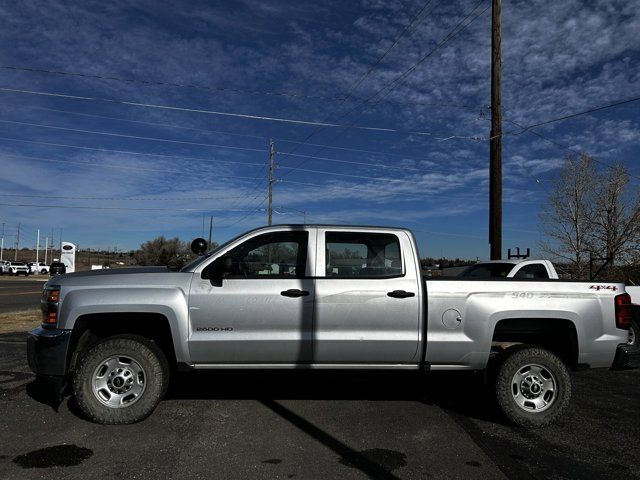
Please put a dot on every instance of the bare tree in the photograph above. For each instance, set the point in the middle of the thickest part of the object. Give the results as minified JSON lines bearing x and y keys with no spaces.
{"x":565,"y":219}
{"x":162,"y":251}
{"x":591,"y":214}
{"x":615,"y":226}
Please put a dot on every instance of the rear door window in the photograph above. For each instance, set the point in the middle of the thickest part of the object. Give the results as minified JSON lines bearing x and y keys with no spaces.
{"x":362,"y":255}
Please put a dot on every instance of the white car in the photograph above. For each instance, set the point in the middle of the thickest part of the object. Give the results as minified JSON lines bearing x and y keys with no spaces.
{"x":18,"y":268}
{"x":38,"y":267}
{"x":4,"y":267}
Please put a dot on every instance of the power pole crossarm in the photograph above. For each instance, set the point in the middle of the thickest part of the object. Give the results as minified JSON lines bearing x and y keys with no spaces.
{"x":495,"y":142}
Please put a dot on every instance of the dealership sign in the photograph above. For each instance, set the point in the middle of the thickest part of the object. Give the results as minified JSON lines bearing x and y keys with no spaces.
{"x":68,"y":256}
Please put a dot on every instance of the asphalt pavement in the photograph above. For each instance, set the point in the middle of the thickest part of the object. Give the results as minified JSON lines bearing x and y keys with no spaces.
{"x":311,"y":425}
{"x":20,"y":293}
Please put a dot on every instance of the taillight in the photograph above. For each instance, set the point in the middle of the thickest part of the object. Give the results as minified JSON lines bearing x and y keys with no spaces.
{"x":49,"y":305}
{"x":624,"y":311}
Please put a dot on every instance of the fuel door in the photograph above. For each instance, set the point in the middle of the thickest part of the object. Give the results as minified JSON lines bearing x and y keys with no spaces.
{"x":451,"y":319}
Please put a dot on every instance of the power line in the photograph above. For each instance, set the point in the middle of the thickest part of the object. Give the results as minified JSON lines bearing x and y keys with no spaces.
{"x":321,"y":128}
{"x":573,"y":115}
{"x":232,"y":90}
{"x":84,"y":207}
{"x":255,"y":210}
{"x":436,"y":135}
{"x":128,"y":152}
{"x":407,"y":29}
{"x":390,"y":86}
{"x":566,"y":147}
{"x":165,"y":107}
{"x":348,"y":149}
{"x":123,"y":167}
{"x":323,"y":172}
{"x":352,"y":162}
{"x":117,"y":199}
{"x":141,"y":122}
{"x":168,"y":84}
{"x":328,"y":159}
{"x":136,"y":137}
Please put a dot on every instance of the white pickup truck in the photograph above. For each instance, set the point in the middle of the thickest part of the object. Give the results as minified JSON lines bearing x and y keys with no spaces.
{"x":523,"y":269}
{"x":38,"y":267}
{"x":320,"y":297}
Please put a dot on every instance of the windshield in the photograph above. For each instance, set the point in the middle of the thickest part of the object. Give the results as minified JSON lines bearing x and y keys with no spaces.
{"x":487,"y":270}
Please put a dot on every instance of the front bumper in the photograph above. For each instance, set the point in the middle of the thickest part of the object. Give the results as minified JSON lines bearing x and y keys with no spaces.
{"x":47,"y":351}
{"x":624,"y":354}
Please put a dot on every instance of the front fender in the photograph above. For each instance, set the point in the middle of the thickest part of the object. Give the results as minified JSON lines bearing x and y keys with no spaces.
{"x":171,"y":302}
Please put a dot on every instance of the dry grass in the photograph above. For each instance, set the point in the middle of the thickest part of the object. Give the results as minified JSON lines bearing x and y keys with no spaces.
{"x":20,"y":321}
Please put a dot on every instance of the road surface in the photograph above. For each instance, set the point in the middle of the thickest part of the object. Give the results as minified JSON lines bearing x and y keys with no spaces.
{"x":310,"y":425}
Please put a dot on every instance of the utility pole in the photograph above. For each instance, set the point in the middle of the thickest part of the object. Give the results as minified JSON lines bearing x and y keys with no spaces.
{"x":495,"y":142}
{"x":272,"y":154}
{"x":15,"y":258}
{"x":46,"y":249}
{"x":2,"y":242}
{"x":38,"y":248}
{"x":210,"y":230}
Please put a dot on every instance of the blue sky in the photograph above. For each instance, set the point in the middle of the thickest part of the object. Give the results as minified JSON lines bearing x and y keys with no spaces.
{"x":158,"y":171}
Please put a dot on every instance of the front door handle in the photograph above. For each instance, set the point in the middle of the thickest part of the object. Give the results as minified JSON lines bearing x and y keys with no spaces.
{"x":400,"y":294}
{"x":294,"y":292}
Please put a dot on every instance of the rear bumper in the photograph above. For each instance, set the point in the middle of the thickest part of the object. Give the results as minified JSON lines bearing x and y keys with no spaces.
{"x":47,"y":351}
{"x":624,"y":354}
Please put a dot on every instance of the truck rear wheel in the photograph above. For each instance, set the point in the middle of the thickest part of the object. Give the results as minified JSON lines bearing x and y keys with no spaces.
{"x":532,"y":386}
{"x":120,"y":380}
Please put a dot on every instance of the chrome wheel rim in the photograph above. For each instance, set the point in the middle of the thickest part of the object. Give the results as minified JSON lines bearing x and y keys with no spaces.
{"x":534,"y":388}
{"x":119,"y":381}
{"x":632,"y":336}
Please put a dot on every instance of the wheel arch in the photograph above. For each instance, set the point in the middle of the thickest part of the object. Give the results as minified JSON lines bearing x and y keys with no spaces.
{"x":558,"y":335}
{"x":89,"y":329}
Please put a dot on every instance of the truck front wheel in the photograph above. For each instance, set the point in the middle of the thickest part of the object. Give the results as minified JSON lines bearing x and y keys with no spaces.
{"x":120,"y":380}
{"x":532,"y":386}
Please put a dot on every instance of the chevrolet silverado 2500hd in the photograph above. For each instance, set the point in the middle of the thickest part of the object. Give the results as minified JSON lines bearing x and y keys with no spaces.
{"x":318,"y":296}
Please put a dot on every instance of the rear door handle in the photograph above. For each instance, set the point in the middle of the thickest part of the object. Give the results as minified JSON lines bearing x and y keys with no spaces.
{"x":400,"y":294}
{"x":294,"y":292}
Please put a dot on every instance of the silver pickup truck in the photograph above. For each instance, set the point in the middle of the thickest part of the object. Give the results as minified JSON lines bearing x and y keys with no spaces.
{"x":326,"y":297}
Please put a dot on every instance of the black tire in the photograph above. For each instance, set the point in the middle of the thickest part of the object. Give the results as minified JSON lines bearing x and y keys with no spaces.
{"x":523,"y":399}
{"x":146,"y":355}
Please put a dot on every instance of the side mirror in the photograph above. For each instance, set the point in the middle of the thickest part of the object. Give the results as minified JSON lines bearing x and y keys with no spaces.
{"x":199,"y":246}
{"x":219,"y":269}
